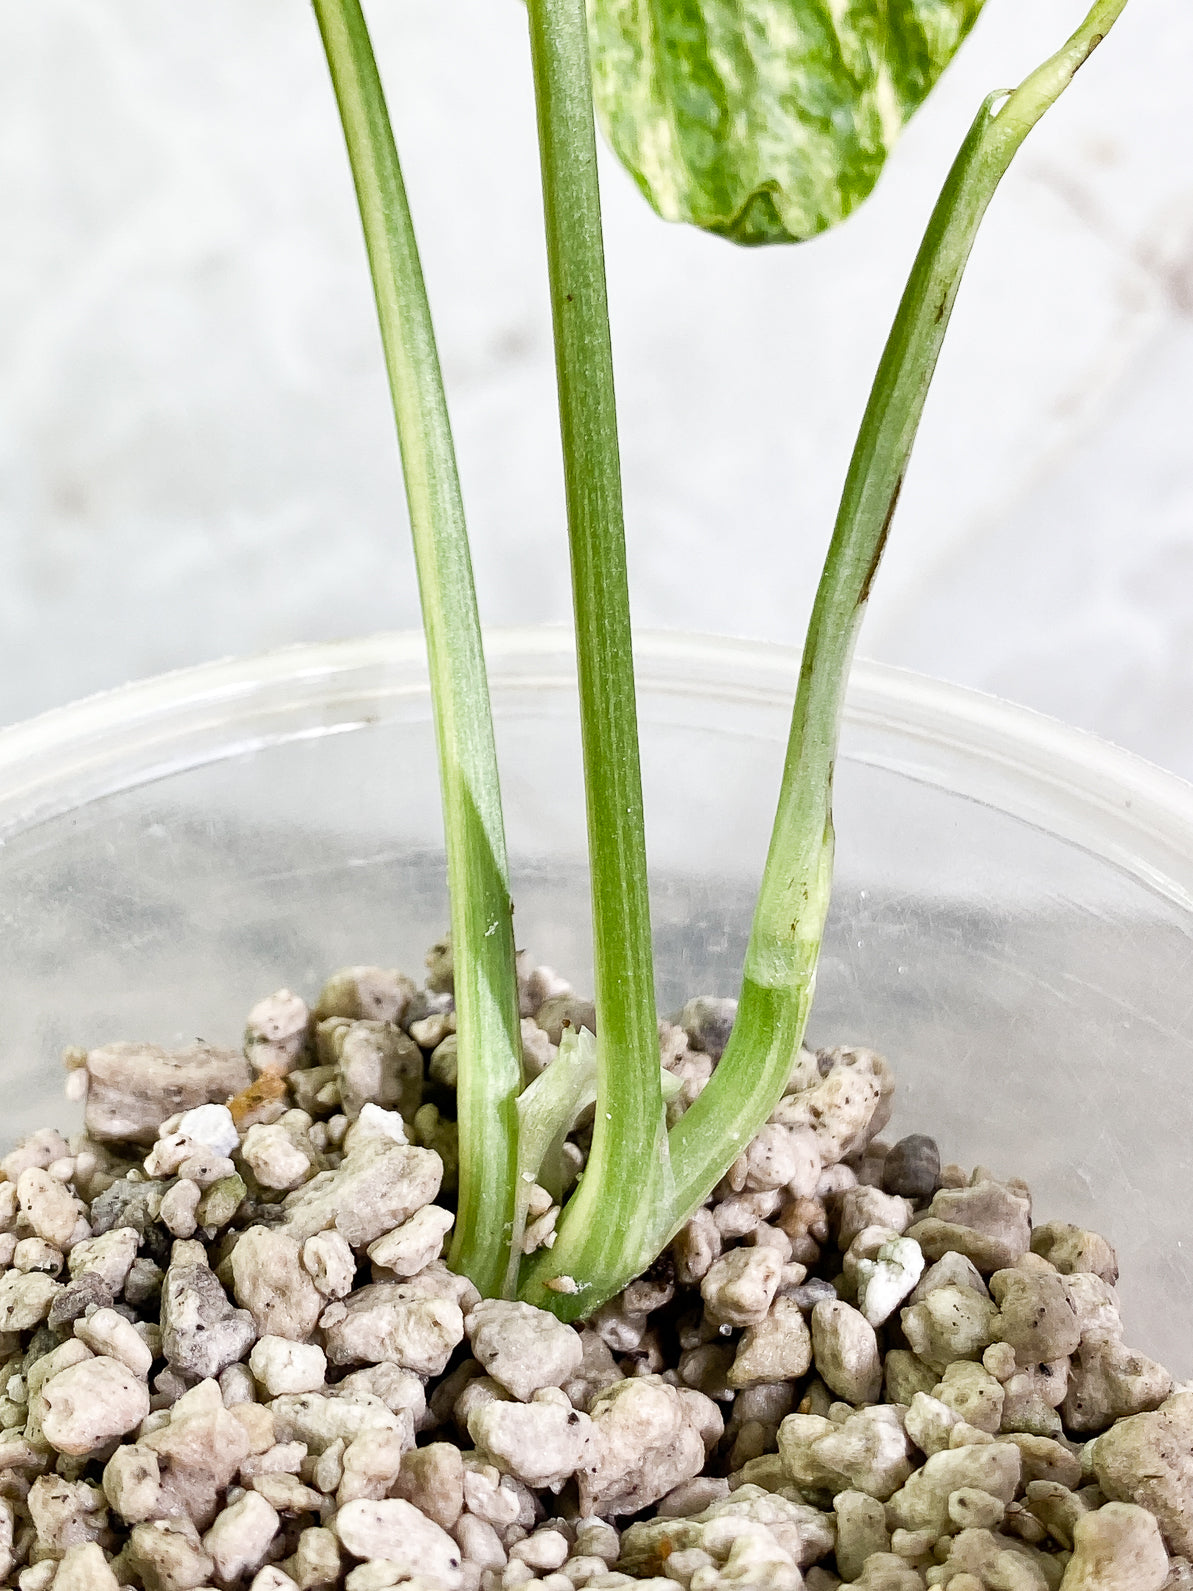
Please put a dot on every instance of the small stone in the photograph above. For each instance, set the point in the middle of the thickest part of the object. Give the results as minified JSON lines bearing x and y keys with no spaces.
{"x":923,"y":1502}
{"x":107,"y":1332}
{"x":374,"y":994}
{"x":91,"y":1402}
{"x":329,"y":1261}
{"x":1148,"y":1459}
{"x":411,"y":1247}
{"x":912,"y":1168}
{"x":886,"y":1280}
{"x":395,"y":1323}
{"x":201,"y":1332}
{"x":376,"y":1063}
{"x":861,"y":1531}
{"x":167,"y":1555}
{"x":862,"y":1207}
{"x":565,"y":1011}
{"x":25,"y":1300}
{"x":739,"y":1287}
{"x":212,"y":1126}
{"x":284,"y":1366}
{"x":867,"y":1451}
{"x":275,"y":1033}
{"x":378,"y":1185}
{"x":949,"y":1323}
{"x":929,"y":1423}
{"x":1035,"y":1315}
{"x":432,"y":1478}
{"x":522,"y":1347}
{"x":133,"y":1088}
{"x":220,"y":1202}
{"x":179,"y":1206}
{"x":108,"y":1256}
{"x":648,"y":1441}
{"x":86,"y":1292}
{"x":973,"y":1395}
{"x":84,"y":1568}
{"x":269,"y":1281}
{"x":845,"y":1106}
{"x":1108,"y":1382}
{"x":708,"y":1023}
{"x":972,"y":1509}
{"x":778,"y":1348}
{"x":50,"y":1209}
{"x":846,"y":1352}
{"x":1117,"y":1548}
{"x":989,"y":1222}
{"x":543,"y":1442}
{"x":274,"y":1158}
{"x":240,"y":1538}
{"x":394,"y":1530}
{"x":1073,"y":1250}
{"x":321,"y":1421}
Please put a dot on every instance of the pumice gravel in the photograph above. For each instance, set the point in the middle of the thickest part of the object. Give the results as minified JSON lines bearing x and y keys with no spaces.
{"x":233,"y":1354}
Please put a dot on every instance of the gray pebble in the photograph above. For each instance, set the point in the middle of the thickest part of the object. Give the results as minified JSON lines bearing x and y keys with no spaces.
{"x":811,"y":1293}
{"x":77,"y":1297}
{"x":912,"y":1169}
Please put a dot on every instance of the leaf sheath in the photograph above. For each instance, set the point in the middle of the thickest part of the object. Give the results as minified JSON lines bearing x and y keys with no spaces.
{"x":793,"y":899}
{"x":490,"y":1066}
{"x":601,"y":1224}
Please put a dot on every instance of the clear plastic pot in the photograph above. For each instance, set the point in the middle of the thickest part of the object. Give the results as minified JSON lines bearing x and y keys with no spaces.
{"x":1013,"y":918}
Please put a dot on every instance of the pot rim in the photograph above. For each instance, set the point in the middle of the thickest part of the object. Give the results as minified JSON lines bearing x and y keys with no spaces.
{"x":1062,"y":779}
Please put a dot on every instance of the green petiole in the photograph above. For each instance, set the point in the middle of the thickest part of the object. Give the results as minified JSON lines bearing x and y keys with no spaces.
{"x":615,"y":1210}
{"x":780,"y":971}
{"x":486,"y":989}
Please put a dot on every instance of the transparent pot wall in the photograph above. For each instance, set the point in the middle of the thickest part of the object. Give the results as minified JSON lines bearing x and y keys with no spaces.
{"x":1012,"y":927}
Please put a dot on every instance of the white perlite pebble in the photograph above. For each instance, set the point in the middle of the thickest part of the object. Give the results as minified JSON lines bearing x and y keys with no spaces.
{"x":543,"y":1442}
{"x":110,"y":1256}
{"x":241,"y":1536}
{"x":394,"y":1530}
{"x":269,"y":1281}
{"x":329,"y":1261}
{"x":274,"y":1158}
{"x":84,"y":1568}
{"x":739,"y":1287}
{"x":179,"y":1206}
{"x":650,"y":1438}
{"x":374,"y":1122}
{"x":846,"y":1352}
{"x":885,"y":1281}
{"x":212,"y":1126}
{"x":778,"y":1348}
{"x":50,"y":1209}
{"x":413,"y":1245}
{"x":522,"y":1347}
{"x":378,"y":1185}
{"x":1117,"y":1548}
{"x":923,"y":1502}
{"x":395,"y":1323}
{"x":107,"y":1332}
{"x":866,"y":1452}
{"x":89,"y":1403}
{"x":284,"y":1366}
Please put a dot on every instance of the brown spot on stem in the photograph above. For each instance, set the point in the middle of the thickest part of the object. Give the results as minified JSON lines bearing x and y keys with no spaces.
{"x":864,"y":595}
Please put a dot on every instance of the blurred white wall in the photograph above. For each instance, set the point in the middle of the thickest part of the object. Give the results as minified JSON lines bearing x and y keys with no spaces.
{"x":196,"y":454}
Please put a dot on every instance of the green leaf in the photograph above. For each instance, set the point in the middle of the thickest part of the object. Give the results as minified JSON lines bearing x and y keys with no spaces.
{"x":766,"y":121}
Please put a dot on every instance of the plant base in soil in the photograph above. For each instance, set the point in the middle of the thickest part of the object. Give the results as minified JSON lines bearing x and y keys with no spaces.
{"x":233,"y":1354}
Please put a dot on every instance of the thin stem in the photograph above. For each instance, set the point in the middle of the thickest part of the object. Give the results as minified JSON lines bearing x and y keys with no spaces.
{"x":486,"y":992}
{"x":603,"y":1221}
{"x":792,"y":904}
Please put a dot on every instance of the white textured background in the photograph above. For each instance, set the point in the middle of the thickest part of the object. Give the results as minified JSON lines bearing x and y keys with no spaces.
{"x":196,"y":455}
